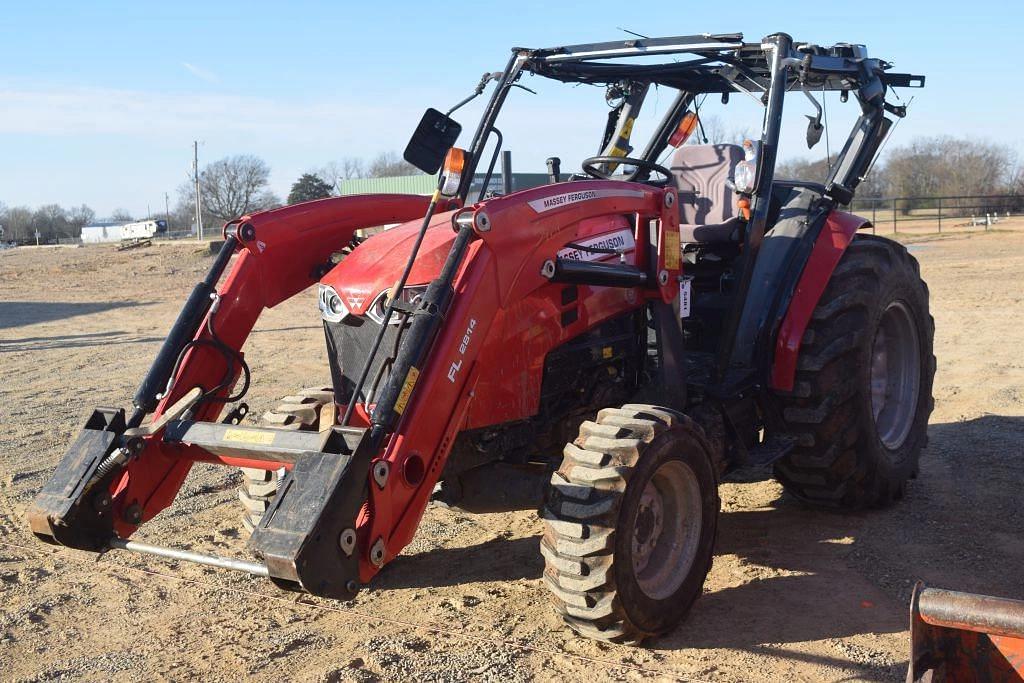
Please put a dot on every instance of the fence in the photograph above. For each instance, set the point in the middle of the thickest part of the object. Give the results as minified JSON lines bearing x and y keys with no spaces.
{"x":918,"y":214}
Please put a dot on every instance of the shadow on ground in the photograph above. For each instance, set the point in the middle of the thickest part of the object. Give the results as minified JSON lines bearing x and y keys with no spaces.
{"x":21,"y":313}
{"x":495,"y":560}
{"x":826,"y":575}
{"x":72,"y":341}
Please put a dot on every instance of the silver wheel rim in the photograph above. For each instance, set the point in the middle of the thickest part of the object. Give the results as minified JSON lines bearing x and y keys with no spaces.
{"x":666,"y":530}
{"x":895,"y":375}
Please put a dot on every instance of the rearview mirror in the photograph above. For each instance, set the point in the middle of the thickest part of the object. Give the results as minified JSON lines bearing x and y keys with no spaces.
{"x":434,"y":136}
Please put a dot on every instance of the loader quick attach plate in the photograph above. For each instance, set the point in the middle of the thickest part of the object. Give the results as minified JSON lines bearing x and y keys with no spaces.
{"x":300,"y":534}
{"x":65,"y":512}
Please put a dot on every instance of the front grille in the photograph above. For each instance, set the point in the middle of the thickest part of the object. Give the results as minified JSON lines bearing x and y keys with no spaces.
{"x":348,"y":346}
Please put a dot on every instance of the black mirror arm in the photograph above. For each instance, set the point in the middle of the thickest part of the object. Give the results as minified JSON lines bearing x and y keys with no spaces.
{"x":478,"y":91}
{"x":490,"y":167}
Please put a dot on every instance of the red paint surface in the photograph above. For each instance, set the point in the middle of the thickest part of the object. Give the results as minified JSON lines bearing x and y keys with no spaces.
{"x":835,"y":237}
{"x":290,"y":243}
{"x":515,"y":314}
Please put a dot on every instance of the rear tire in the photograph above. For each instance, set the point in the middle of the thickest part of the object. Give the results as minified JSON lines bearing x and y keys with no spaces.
{"x":300,"y":411}
{"x":863,"y":389}
{"x":630,"y":523}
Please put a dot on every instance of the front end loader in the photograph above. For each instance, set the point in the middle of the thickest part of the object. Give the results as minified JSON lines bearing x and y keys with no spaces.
{"x":608,"y":344}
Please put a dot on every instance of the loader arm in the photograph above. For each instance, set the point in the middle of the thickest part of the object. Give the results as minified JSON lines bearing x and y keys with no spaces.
{"x":279,"y":254}
{"x":355,"y":493}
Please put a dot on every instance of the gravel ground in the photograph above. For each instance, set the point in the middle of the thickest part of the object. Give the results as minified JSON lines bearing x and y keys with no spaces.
{"x":794,"y":595}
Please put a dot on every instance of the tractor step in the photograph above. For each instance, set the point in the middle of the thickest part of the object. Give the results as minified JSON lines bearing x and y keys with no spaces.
{"x":773,"y":448}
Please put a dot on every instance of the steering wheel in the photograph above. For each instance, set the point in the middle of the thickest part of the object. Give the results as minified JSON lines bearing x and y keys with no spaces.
{"x":590,"y":167}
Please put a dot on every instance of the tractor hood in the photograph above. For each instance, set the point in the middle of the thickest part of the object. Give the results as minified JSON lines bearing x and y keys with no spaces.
{"x":376,"y":264}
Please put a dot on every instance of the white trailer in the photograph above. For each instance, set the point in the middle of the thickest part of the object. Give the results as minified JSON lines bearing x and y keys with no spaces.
{"x":116,"y":232}
{"x":141,"y":230}
{"x":93,"y":234}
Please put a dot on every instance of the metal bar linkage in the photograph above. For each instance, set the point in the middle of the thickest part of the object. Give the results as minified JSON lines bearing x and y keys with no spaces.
{"x":980,"y":613}
{"x":253,"y":568}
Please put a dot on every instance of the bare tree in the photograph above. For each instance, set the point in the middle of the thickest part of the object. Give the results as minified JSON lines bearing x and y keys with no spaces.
{"x":714,"y":131}
{"x":121,"y":215}
{"x":51,"y":221}
{"x":388,"y":164}
{"x":183,"y":215}
{"x":80,"y":216}
{"x":235,"y":186}
{"x":947,"y":166}
{"x":336,"y":171}
{"x":18,"y":224}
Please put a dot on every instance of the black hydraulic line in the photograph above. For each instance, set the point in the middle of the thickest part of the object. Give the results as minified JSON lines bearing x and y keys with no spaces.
{"x":390,"y":309}
{"x":385,"y":366}
{"x":182,"y":332}
{"x":762,"y":198}
{"x":476,"y":147}
{"x":427,"y":320}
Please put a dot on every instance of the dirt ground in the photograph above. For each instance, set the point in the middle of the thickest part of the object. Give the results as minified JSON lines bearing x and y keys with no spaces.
{"x":794,"y":594}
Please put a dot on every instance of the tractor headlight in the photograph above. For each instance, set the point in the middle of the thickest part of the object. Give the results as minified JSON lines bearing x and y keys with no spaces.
{"x":410,"y":297}
{"x":332,"y":308}
{"x":745,"y":175}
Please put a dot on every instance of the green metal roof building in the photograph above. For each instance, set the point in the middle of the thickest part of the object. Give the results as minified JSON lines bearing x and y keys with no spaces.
{"x":425,"y":184}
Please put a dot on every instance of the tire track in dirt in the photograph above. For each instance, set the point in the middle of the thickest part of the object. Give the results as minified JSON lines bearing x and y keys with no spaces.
{"x":12,"y":524}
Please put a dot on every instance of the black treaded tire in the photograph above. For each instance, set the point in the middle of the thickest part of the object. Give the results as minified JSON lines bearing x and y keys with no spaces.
{"x":841,"y":459}
{"x":300,"y":411}
{"x":591,"y":516}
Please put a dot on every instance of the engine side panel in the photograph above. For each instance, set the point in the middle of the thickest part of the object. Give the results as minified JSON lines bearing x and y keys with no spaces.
{"x":527,"y":330}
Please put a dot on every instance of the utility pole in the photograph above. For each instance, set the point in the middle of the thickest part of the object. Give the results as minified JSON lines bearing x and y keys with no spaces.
{"x":167,"y":211}
{"x":195,"y":177}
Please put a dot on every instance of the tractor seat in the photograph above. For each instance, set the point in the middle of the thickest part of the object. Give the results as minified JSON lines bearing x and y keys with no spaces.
{"x":707,"y":206}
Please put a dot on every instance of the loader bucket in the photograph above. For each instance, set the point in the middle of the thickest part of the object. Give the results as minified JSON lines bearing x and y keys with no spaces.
{"x":964,"y":637}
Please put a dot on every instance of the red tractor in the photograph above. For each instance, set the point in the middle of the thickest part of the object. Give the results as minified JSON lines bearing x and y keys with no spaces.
{"x":615,"y":340}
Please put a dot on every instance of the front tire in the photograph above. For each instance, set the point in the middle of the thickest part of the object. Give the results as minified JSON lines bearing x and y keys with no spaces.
{"x":630,"y":524}
{"x":299,"y":412}
{"x":863,"y":389}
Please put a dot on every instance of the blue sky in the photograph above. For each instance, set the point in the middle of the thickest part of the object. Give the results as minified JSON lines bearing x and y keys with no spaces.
{"x":100,"y":101}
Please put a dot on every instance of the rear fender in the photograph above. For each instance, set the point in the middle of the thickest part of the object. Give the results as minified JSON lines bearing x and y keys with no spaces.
{"x":829,"y":247}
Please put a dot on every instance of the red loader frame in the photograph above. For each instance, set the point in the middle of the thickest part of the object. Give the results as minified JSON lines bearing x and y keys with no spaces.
{"x":281,"y":253}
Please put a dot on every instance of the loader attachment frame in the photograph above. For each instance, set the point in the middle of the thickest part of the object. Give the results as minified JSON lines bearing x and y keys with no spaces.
{"x":964,"y":637}
{"x":119,"y":473}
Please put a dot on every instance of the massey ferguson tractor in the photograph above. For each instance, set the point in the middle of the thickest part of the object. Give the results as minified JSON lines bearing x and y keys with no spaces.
{"x":617,"y":340}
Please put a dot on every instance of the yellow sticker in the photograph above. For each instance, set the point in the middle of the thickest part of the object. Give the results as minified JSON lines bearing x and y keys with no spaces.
{"x":672,"y":249}
{"x":249,"y":436}
{"x":627,"y":128}
{"x":406,"y":392}
{"x":606,"y":352}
